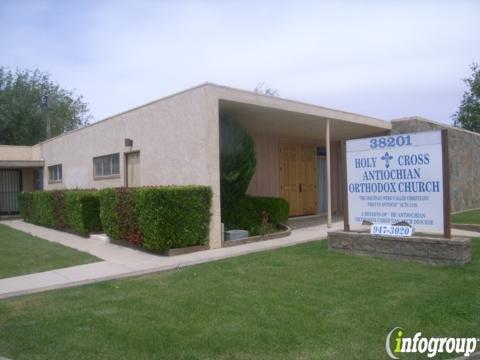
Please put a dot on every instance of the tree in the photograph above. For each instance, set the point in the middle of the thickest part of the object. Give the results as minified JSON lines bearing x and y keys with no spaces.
{"x":468,"y":114}
{"x":237,"y":162}
{"x":27,"y":99}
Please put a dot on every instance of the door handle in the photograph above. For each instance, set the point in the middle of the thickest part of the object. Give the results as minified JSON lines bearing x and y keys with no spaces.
{"x":300,"y":187}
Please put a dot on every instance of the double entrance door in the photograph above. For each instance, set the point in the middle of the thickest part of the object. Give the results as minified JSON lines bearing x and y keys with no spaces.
{"x":298,"y":177}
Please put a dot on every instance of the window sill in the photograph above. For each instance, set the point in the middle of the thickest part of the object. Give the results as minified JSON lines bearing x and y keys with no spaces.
{"x":106,"y":177}
{"x":55,"y":181}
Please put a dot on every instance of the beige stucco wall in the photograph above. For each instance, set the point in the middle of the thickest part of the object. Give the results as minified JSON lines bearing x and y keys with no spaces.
{"x":27,"y":179}
{"x":18,"y":153}
{"x":178,"y":142}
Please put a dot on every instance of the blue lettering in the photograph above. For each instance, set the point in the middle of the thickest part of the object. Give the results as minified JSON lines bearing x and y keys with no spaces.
{"x":414,"y":159}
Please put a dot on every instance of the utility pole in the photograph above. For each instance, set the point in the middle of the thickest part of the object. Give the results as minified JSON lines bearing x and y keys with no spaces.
{"x":47,"y":115}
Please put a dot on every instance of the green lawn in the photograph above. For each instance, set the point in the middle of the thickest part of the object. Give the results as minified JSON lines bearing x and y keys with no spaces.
{"x":301,"y":302}
{"x":21,"y":253}
{"x":467,"y":217}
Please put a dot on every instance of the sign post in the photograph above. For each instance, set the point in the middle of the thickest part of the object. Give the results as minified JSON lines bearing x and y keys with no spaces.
{"x":398,"y":178}
{"x":447,"y":229}
{"x":346,"y":222}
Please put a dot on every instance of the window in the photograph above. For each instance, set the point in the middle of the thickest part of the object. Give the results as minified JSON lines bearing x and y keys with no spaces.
{"x":55,"y":173}
{"x":106,"y":166}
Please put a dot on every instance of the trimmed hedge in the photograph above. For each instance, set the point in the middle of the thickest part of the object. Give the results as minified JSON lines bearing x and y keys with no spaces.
{"x":72,"y":210}
{"x":83,"y":211}
{"x":118,"y":216}
{"x":255,"y":214}
{"x":25,"y":206}
{"x":58,"y":210}
{"x":108,"y":213}
{"x":157,"y":218}
{"x":42,"y":203}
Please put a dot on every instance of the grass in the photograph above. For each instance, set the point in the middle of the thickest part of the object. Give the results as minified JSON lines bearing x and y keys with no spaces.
{"x":21,"y":253}
{"x":301,"y":302}
{"x":467,"y":217}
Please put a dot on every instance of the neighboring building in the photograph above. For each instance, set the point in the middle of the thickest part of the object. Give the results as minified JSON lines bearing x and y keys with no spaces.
{"x":175,"y":140}
{"x":463,"y":155}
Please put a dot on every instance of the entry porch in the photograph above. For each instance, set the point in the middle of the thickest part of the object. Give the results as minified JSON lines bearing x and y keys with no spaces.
{"x":299,"y":156}
{"x":19,"y":171}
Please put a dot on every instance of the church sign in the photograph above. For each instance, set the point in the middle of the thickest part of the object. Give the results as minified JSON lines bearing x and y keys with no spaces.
{"x":398,"y":179}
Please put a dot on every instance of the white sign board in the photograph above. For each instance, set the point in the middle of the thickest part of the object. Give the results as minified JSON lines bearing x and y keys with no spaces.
{"x":396,"y":178}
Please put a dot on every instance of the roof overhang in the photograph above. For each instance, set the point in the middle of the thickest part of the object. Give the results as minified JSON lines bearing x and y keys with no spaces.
{"x":21,"y":163}
{"x":263,"y":114}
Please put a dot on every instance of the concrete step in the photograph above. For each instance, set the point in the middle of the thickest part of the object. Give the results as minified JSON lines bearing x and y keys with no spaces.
{"x":100,"y":237}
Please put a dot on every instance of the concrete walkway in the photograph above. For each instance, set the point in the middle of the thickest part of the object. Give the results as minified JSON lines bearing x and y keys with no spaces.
{"x":120,"y":262}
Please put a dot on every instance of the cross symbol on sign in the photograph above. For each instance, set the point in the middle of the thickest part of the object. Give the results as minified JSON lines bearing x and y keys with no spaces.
{"x":387,"y":157}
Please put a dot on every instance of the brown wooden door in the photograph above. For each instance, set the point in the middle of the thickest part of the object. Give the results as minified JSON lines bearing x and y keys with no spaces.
{"x":288,"y":177}
{"x":133,"y":169}
{"x":307,"y":179}
{"x":298,"y":178}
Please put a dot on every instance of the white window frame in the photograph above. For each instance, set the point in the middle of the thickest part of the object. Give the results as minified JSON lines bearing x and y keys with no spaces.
{"x":55,"y":173}
{"x":104,"y":174}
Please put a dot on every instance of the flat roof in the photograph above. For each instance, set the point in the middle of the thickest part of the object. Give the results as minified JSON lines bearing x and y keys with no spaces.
{"x":276,"y":102}
{"x":229,"y":93}
{"x":444,"y":125}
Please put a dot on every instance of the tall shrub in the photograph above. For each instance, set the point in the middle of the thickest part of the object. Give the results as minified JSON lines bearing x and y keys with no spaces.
{"x":25,"y":206}
{"x":173,"y":216}
{"x":237,"y":162}
{"x":59,"y":210}
{"x":157,"y":218}
{"x":127,"y":217}
{"x":108,"y":213}
{"x":42,"y":208}
{"x":117,"y":212}
{"x":83,"y":211}
{"x":72,"y":210}
{"x":237,"y":166}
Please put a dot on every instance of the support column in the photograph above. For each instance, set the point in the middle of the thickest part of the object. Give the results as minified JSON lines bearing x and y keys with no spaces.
{"x":329,"y":186}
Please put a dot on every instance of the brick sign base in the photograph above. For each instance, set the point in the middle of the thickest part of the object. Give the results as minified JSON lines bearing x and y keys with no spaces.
{"x":427,"y":250}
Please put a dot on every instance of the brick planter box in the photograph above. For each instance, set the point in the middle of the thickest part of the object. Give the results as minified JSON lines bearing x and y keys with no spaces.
{"x":168,"y":252}
{"x":284,"y":231}
{"x":428,"y":250}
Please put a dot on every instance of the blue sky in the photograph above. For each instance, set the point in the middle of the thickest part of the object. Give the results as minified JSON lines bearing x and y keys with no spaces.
{"x":386,"y":59}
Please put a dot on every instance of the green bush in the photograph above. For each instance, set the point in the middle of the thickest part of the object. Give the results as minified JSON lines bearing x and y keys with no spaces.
{"x":117,"y":212}
{"x":157,"y":218}
{"x":83,"y":211}
{"x":25,"y":206}
{"x":173,"y":216}
{"x":249,"y":212}
{"x":237,"y":161}
{"x":108,"y":213}
{"x":59,"y":210}
{"x":72,"y":210}
{"x":42,"y":208}
{"x":127,"y":217}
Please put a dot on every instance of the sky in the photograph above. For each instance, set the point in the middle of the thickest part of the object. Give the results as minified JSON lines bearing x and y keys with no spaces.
{"x":386,"y":59}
